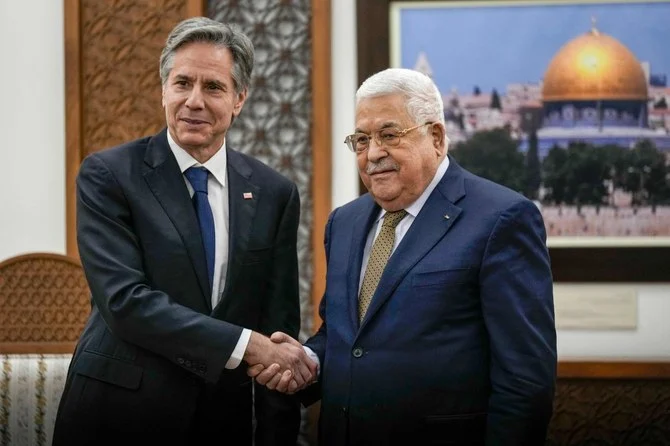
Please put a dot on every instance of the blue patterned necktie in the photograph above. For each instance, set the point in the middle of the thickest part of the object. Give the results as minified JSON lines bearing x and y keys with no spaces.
{"x":197,"y":176}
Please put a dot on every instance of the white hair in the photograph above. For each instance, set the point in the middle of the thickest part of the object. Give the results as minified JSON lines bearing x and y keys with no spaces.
{"x":423,"y":99}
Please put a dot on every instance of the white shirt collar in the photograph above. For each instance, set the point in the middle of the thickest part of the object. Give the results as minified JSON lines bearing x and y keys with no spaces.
{"x":216,"y":165}
{"x":414,"y":208}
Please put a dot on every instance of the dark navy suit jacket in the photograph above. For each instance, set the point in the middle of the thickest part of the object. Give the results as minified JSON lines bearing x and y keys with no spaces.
{"x":458,"y":345}
{"x":149,"y":365}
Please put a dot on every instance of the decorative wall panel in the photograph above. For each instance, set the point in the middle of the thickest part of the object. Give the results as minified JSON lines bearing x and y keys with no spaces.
{"x":604,"y":412}
{"x":274,"y":125}
{"x":121,"y":90}
{"x":44,"y":303}
{"x":112,"y":86}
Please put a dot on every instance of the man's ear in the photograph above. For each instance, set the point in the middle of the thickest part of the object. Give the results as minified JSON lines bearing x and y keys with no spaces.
{"x":438,"y":133}
{"x":239,"y":102}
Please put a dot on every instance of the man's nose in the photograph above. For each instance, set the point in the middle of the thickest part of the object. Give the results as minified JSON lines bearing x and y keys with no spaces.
{"x":376,"y":151}
{"x":195,"y":99}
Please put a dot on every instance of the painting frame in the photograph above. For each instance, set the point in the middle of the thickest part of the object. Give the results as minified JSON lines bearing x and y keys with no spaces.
{"x":607,"y":263}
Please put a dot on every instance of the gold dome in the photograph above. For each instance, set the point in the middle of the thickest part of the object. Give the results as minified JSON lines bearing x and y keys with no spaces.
{"x":594,"y":66}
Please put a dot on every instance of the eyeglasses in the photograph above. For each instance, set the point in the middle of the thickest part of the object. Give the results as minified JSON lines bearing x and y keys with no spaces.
{"x":389,"y":136}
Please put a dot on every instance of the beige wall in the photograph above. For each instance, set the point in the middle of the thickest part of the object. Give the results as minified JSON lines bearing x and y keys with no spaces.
{"x":32,"y":152}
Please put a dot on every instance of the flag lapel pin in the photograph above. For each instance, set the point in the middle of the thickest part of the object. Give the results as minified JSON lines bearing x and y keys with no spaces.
{"x":247,"y":195}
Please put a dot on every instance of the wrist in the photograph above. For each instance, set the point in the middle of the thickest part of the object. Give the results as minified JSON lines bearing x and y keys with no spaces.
{"x":255,"y":348}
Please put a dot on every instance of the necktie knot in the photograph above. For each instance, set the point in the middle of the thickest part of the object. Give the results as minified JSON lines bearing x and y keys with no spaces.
{"x":197,"y":176}
{"x":391,"y":219}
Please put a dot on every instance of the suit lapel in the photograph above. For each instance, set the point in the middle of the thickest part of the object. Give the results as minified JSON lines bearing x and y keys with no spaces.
{"x":437,"y":216}
{"x":241,"y":211}
{"x":361,"y":228}
{"x":167,"y":184}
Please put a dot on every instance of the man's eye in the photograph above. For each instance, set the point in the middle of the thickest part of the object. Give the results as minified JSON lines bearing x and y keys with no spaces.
{"x":362,"y":139}
{"x":388,"y":135}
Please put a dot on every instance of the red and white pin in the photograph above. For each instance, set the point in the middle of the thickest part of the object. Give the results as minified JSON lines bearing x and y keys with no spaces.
{"x":247,"y":195}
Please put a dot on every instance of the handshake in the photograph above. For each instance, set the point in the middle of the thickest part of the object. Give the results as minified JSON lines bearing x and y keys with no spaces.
{"x":279,"y":362}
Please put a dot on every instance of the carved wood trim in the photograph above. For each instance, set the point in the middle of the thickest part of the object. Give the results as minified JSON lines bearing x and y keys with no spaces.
{"x":321,"y":150}
{"x":195,"y":8}
{"x":44,"y":303}
{"x":613,"y":370}
{"x":73,"y":153}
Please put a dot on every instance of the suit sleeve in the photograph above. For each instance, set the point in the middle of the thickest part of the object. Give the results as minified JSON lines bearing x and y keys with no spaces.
{"x":112,"y":258}
{"x":517,"y":304}
{"x":278,"y":415}
{"x":317,"y":343}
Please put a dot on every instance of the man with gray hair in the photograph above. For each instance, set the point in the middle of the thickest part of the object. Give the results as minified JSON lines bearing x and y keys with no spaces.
{"x":438,"y":318}
{"x":189,"y":249}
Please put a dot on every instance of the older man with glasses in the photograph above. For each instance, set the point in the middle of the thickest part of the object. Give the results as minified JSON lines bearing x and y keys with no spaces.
{"x":438,"y":319}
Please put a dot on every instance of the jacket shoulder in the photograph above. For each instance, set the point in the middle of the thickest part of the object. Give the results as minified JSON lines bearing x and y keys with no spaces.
{"x":354,"y":207}
{"x":490,"y":194}
{"x":264,"y":172}
{"x":131,"y":150}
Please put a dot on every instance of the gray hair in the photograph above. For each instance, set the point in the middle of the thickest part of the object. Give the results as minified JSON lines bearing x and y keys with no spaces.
{"x":423,"y":99}
{"x":203,"y":29}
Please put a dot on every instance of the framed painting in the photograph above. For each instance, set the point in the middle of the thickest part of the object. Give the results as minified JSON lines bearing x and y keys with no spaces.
{"x":570,"y":98}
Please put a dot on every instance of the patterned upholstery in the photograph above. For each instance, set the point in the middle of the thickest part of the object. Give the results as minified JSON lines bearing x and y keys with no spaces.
{"x":30,"y":389}
{"x":44,"y":303}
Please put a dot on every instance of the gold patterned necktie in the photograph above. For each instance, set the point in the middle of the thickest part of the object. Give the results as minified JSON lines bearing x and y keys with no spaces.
{"x":379,"y":256}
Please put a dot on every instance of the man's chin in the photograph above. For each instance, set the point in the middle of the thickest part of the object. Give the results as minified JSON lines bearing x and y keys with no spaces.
{"x":384,"y":195}
{"x":190,"y":139}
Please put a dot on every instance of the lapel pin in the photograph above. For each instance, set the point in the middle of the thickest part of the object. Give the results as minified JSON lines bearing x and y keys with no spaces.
{"x":446,"y":216}
{"x":247,"y":195}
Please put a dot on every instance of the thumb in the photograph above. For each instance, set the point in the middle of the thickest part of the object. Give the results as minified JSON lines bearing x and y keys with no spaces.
{"x":279,"y":337}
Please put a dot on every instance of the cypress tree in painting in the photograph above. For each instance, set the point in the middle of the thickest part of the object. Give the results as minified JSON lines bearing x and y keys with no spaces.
{"x":495,"y":100}
{"x":533,"y":167}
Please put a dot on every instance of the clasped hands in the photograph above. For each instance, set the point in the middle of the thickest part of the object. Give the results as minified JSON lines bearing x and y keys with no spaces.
{"x":279,"y":363}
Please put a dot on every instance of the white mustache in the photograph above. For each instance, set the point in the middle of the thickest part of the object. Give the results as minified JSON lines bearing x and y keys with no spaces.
{"x":381,"y":166}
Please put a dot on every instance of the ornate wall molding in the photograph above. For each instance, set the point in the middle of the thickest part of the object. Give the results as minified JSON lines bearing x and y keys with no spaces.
{"x":621,"y":412}
{"x":44,"y":303}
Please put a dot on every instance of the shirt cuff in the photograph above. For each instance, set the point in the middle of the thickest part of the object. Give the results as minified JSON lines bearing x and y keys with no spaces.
{"x":315,"y":358}
{"x":241,"y":347}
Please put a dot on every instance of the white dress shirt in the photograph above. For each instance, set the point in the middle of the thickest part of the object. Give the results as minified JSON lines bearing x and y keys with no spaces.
{"x":400,"y":231}
{"x":217,"y":196}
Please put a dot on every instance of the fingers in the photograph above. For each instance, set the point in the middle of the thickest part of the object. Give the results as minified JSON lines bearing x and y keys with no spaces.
{"x":274,"y":382}
{"x":266,"y":374}
{"x":284,"y":383}
{"x":298,"y":375}
{"x":304,"y":374}
{"x":254,"y":370}
{"x":313,"y":368}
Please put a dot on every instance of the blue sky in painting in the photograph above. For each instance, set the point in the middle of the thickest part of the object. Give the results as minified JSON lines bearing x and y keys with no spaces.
{"x":492,"y":46}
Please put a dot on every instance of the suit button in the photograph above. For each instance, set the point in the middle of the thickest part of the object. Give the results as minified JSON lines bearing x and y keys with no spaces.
{"x":180,"y":360}
{"x":358,"y":352}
